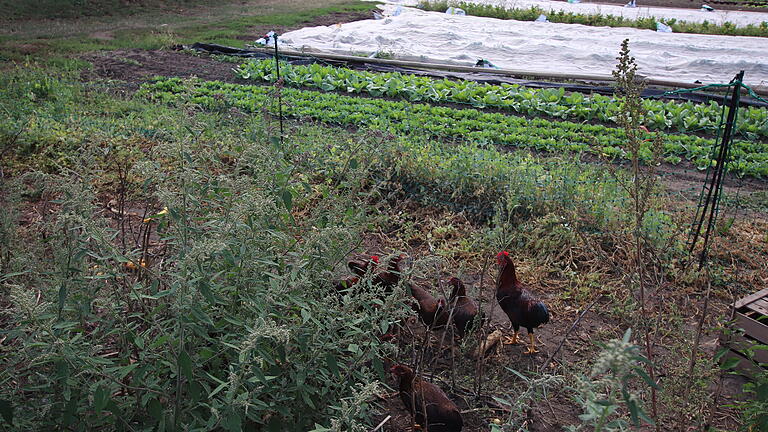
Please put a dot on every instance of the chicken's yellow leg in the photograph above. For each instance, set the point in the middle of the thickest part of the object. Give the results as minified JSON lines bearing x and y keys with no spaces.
{"x":512,"y":340}
{"x":532,"y":349}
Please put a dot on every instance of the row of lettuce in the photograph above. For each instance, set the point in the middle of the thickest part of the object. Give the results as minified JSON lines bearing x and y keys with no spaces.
{"x":460,"y":125}
{"x":686,"y":117}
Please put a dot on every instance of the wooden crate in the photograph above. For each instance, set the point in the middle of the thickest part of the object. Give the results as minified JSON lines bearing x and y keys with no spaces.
{"x":748,"y":310}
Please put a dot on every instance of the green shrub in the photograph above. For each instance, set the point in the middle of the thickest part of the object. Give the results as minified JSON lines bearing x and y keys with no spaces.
{"x":230,"y":324}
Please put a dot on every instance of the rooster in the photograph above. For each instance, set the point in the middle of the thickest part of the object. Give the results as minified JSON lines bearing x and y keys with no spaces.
{"x":464,"y":308}
{"x":522,"y":308}
{"x":432,"y":311}
{"x":430,"y":406}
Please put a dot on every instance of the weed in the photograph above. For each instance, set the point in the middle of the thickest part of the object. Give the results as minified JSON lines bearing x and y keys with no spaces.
{"x":608,"y":386}
{"x":209,"y":315}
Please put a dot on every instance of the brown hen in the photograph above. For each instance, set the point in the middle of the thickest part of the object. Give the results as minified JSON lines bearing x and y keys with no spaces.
{"x":429,"y":406}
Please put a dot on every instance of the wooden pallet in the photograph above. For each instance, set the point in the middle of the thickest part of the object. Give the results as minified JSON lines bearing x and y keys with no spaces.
{"x":749,"y":311}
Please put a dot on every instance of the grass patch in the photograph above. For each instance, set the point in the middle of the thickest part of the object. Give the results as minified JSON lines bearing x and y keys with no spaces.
{"x":68,"y":9}
{"x":230,"y":24}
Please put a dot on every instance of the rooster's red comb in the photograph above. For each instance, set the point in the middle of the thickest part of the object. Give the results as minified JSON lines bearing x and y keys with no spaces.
{"x":375,"y":258}
{"x":501,"y":255}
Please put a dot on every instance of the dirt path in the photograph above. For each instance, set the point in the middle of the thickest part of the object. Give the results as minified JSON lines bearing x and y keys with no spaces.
{"x":136,"y":66}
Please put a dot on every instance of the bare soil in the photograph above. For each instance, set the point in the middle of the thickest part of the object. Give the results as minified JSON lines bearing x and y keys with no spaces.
{"x":447,"y":359}
{"x":136,"y":66}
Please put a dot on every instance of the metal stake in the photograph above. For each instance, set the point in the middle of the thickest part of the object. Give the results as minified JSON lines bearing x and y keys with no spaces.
{"x":714,"y":190}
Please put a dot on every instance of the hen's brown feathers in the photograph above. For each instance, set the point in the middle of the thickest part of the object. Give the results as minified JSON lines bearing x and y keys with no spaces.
{"x":428,"y":404}
{"x":465,"y":310}
{"x":431,"y":310}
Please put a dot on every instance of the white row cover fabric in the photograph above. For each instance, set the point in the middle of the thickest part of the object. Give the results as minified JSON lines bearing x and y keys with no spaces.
{"x":539,"y":46}
{"x":739,"y":18}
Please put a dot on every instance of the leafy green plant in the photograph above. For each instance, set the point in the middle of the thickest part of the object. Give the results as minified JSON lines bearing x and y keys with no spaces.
{"x":754,"y":406}
{"x":682,"y":116}
{"x":609,"y":388}
{"x":446,"y":123}
{"x":755,"y":409}
{"x":217,"y":321}
{"x":536,"y":388}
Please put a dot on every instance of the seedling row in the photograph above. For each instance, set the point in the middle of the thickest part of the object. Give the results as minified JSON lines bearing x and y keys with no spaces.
{"x":661,"y":115}
{"x":749,"y":158}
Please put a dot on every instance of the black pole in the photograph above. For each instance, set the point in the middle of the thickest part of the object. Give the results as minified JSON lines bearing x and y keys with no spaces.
{"x":701,"y":214}
{"x":703,"y":204}
{"x":717,"y":179}
{"x":279,"y":91}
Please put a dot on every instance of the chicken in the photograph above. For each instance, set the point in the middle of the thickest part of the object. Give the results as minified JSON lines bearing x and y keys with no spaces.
{"x":345,"y":284}
{"x":522,"y":308}
{"x":390,"y":277}
{"x":432,"y":311}
{"x":464,"y":308}
{"x":430,"y":406}
{"x":359,"y":268}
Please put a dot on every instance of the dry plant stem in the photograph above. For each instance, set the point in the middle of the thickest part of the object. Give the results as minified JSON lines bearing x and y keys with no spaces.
{"x":448,"y":328}
{"x":479,"y":371}
{"x":182,"y":294}
{"x":424,"y":347}
{"x":639,"y":267}
{"x":639,"y":189}
{"x":453,"y":354}
{"x":716,"y":396}
{"x":279,"y":86}
{"x":567,"y":333}
{"x":699,"y":327}
{"x":695,"y":347}
{"x":381,"y":425}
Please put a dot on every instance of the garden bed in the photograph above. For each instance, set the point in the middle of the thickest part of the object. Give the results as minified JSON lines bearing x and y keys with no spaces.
{"x":448,"y":123}
{"x":553,"y":103}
